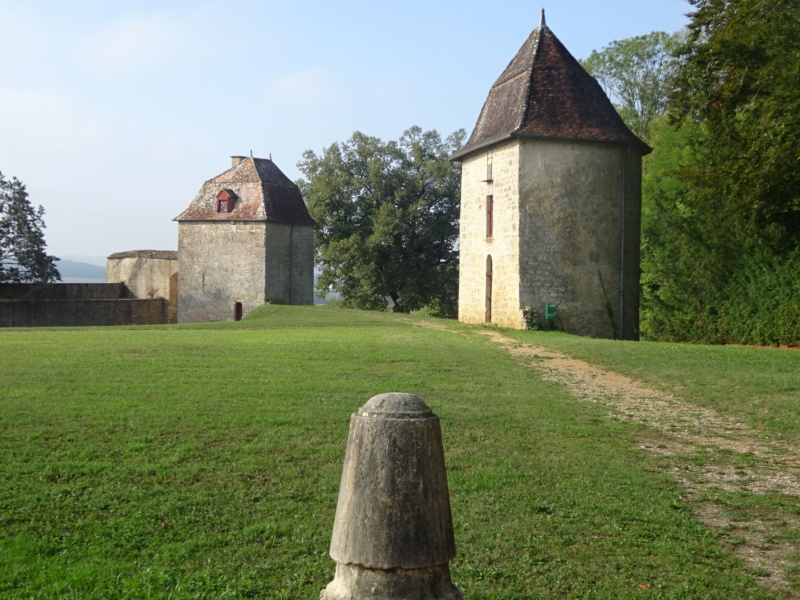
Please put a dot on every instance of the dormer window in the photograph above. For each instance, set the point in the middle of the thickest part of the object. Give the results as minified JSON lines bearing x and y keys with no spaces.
{"x":225,"y":201}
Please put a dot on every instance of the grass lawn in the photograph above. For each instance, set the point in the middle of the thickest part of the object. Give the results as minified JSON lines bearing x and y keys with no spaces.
{"x":203,"y":461}
{"x":759,"y":386}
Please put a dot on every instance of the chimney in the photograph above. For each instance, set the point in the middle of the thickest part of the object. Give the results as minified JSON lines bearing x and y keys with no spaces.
{"x":235,"y":160}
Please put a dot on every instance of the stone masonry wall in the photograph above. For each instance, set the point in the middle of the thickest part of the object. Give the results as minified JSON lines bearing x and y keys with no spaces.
{"x":503,"y":246}
{"x":62,"y":291}
{"x":290,"y":263}
{"x":220,"y":263}
{"x":145,"y":277}
{"x":571,"y":198}
{"x":78,"y":313}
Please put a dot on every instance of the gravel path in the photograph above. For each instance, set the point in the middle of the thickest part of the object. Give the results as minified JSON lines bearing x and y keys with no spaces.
{"x":732,"y":457}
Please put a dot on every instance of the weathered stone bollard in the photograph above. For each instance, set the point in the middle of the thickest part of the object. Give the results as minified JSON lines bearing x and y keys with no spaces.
{"x":393,"y":532}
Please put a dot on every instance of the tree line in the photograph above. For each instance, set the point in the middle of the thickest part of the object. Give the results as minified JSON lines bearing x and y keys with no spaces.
{"x":720,"y":105}
{"x":387,"y":220}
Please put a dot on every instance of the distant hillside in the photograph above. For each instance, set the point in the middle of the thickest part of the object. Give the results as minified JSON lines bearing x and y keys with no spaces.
{"x":80,"y":272}
{"x":75,"y":271}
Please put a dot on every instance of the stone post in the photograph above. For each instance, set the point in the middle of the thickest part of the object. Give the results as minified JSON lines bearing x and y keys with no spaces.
{"x":393,"y":532}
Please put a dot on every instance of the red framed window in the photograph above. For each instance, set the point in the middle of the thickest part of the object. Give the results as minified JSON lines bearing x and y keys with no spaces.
{"x":224,"y":202}
{"x":489,"y":216}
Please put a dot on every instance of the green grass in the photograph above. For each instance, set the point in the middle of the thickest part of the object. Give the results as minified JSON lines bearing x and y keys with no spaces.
{"x":203,"y":461}
{"x":757,"y":386}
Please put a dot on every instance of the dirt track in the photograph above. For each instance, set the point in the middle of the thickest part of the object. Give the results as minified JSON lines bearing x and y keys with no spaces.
{"x":679,"y":430}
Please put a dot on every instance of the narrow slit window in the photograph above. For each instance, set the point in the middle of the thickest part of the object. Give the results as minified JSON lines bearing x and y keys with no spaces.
{"x":489,"y":216}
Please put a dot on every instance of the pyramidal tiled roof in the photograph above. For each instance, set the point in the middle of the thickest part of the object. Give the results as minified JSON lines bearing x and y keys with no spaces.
{"x":544,"y":92}
{"x":260,"y":190}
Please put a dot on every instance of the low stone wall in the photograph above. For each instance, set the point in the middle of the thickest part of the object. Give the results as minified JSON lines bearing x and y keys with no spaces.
{"x":63,"y":291}
{"x":78,"y":313}
{"x":146,"y":273}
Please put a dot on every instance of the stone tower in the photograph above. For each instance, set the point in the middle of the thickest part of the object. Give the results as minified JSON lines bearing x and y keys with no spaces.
{"x":550,"y":200}
{"x":244,"y":240}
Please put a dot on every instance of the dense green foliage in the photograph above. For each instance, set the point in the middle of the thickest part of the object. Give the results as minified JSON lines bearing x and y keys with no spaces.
{"x":722,"y":237}
{"x":387,"y":220}
{"x":203,"y":461}
{"x":704,"y":278}
{"x":638,"y":75}
{"x":22,"y":248}
{"x":721,"y":191}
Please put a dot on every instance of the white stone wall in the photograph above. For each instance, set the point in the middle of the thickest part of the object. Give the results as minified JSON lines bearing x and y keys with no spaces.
{"x":571,"y":198}
{"x":558,"y":235}
{"x":220,"y":263}
{"x":145,"y":277}
{"x":503,"y":246}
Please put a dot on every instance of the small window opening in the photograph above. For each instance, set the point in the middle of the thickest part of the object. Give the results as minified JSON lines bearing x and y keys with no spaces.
{"x":224,"y":202}
{"x":489,"y":216}
{"x":488,"y":168}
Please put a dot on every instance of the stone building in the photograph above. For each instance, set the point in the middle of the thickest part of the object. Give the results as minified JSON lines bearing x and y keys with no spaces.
{"x":244,"y":240}
{"x":550,"y":200}
{"x":147,"y":274}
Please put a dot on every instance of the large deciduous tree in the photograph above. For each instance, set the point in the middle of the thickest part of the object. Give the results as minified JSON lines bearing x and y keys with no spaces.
{"x":741,"y":79}
{"x":722,"y":245}
{"x":387,"y":220}
{"x":637,"y":73}
{"x":22,"y":248}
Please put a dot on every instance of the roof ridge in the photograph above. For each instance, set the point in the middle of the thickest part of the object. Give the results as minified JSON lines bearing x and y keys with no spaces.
{"x":529,"y":83}
{"x":262,"y":193}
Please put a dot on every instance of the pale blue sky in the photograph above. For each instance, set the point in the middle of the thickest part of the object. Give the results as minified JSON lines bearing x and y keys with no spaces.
{"x":114,"y":113}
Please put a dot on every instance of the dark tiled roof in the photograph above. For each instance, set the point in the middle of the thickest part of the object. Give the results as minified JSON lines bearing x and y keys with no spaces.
{"x":261,"y":193}
{"x":544,"y":92}
{"x":161,"y":254}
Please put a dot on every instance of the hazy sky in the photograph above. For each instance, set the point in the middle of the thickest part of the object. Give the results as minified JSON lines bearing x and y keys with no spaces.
{"x":114,"y":113}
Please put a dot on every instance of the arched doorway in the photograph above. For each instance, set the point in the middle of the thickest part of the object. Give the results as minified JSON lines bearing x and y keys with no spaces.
{"x":488,"y":316}
{"x":237,"y":311}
